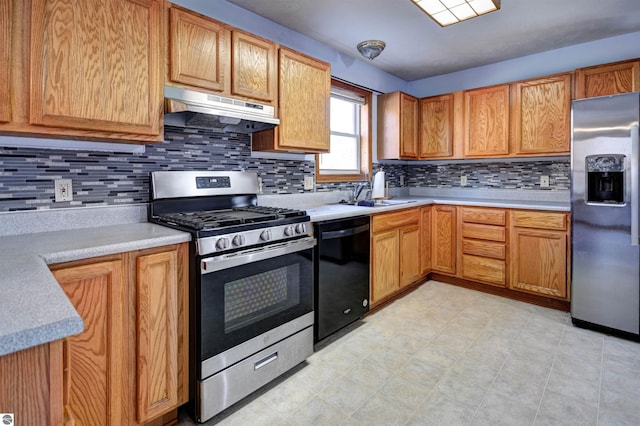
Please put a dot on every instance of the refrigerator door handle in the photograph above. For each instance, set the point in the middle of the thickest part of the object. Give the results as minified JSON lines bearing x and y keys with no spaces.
{"x":635,"y":139}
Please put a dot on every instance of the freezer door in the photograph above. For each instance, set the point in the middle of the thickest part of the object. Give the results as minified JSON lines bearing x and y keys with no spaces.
{"x":605,"y":287}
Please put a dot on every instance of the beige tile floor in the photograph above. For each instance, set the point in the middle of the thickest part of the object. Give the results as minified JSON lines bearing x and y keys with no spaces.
{"x":444,"y":355}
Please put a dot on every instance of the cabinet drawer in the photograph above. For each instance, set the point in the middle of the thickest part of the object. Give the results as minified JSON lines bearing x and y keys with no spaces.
{"x":395,"y":220}
{"x":484,"y":216}
{"x":484,"y":232}
{"x":540,"y":220}
{"x":491,"y":271}
{"x":484,"y":249}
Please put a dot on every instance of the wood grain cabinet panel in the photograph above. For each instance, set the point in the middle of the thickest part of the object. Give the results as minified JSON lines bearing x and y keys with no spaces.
{"x":484,"y":216}
{"x":484,"y":232}
{"x":487,"y":270}
{"x":385,"y":279}
{"x":397,"y":126}
{"x":409,"y":254}
{"x":387,"y":221}
{"x":254,"y":67}
{"x":157,"y":325}
{"x":6,"y":25}
{"x":486,"y":122}
{"x":539,"y":261}
{"x":436,"y":126}
{"x":199,"y":51}
{"x":425,"y":239}
{"x":541,"y":115}
{"x":304,"y":90}
{"x":443,"y":239}
{"x":608,"y":79}
{"x":95,"y":392}
{"x":490,"y":249}
{"x":91,"y":72}
{"x":539,"y":219}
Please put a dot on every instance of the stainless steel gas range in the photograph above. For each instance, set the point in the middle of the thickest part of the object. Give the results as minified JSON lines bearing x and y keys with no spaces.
{"x":251,"y":283}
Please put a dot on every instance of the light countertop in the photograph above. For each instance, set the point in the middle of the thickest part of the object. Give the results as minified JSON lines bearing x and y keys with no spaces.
{"x":35,"y":310}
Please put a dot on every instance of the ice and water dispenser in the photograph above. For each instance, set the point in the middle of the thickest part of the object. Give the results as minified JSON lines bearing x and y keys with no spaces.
{"x":605,"y":179}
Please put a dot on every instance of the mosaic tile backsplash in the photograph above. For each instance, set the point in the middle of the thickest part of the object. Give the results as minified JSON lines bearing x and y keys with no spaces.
{"x":111,"y":178}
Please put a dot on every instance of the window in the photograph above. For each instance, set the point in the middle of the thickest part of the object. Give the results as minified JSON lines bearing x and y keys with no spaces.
{"x":349,"y":158}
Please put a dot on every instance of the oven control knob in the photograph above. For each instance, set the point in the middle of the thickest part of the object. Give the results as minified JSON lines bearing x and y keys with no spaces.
{"x":238,"y":240}
{"x":265,"y":235}
{"x":222,"y":244}
{"x":289,"y":231}
{"x":301,"y":228}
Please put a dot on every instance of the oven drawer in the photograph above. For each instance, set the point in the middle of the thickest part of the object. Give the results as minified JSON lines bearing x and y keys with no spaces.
{"x":231,"y":385}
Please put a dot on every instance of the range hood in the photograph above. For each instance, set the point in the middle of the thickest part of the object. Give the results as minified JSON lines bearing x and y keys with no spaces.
{"x":187,"y":108}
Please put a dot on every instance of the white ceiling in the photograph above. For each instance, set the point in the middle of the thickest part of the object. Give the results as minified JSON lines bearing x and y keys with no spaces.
{"x":417,"y":47}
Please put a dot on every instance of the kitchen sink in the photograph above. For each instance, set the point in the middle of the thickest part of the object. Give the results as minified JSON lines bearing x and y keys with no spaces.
{"x":378,"y":203}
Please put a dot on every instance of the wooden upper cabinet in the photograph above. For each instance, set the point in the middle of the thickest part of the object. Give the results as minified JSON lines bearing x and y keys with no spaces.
{"x":304,"y":91}
{"x":95,"y":65}
{"x":486,"y":122}
{"x":5,"y":65}
{"x":397,"y":126}
{"x":541,"y":115}
{"x":199,"y":50}
{"x":436,"y":126}
{"x":608,"y":79}
{"x":254,"y":67}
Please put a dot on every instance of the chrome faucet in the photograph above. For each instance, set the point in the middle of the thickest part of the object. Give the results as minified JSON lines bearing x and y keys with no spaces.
{"x":357,"y":190}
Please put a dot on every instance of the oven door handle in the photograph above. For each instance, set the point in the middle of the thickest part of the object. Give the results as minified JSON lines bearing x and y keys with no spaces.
{"x":231,"y":260}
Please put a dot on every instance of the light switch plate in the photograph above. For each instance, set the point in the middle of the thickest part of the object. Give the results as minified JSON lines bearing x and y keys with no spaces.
{"x":463,"y":180}
{"x":308,"y":182}
{"x":63,"y":190}
{"x":544,"y":181}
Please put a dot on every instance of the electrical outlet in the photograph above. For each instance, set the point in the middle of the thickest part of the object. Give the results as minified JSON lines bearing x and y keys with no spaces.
{"x":308,"y":182}
{"x":544,"y":181}
{"x":63,"y":190}
{"x":259,"y":185}
{"x":401,"y":180}
{"x":463,"y":180}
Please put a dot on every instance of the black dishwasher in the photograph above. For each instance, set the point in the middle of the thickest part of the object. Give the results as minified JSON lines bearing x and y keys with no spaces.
{"x":341,"y":262}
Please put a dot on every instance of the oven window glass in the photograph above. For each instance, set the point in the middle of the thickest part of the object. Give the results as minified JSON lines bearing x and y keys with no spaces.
{"x":242,"y":302}
{"x":254,"y":298}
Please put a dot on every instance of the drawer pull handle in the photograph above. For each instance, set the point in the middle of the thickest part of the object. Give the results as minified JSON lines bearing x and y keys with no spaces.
{"x":266,"y":360}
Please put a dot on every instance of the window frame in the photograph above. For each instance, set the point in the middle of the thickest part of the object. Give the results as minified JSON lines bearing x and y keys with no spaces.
{"x":365,"y":138}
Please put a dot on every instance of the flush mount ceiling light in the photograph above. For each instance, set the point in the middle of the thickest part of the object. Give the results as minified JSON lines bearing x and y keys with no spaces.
{"x":371,"y":48}
{"x":447,"y":12}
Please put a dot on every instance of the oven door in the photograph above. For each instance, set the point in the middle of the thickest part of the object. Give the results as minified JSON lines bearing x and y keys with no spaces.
{"x":248,"y":294}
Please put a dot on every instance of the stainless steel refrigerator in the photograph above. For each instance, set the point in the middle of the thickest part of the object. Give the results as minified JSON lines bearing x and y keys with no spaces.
{"x":605,"y":289}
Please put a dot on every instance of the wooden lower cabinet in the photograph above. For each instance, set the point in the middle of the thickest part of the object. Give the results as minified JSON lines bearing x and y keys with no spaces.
{"x":130,"y":363}
{"x":395,"y":253}
{"x":540,"y":253}
{"x":443,"y":239}
{"x":425,"y":239}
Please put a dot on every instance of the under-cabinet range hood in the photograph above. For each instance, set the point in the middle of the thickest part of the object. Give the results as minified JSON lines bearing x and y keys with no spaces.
{"x":187,"y":108}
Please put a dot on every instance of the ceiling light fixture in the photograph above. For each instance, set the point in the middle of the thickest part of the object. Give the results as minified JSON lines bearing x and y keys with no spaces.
{"x":447,"y":12}
{"x":371,"y":48}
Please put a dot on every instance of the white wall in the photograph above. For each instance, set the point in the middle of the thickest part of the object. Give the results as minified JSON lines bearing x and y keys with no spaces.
{"x":550,"y":62}
{"x":342,"y":66}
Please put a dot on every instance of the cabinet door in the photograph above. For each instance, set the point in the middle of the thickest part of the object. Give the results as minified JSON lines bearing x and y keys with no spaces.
{"x":409,"y":242}
{"x":443,"y":239}
{"x":609,"y":79}
{"x":486,"y":122}
{"x":198,"y":51}
{"x":94,"y":361}
{"x":408,"y":126}
{"x":91,"y":71}
{"x":304,"y":90}
{"x":254,"y":67}
{"x":544,"y":273}
{"x":436,"y":126}
{"x":542,"y":116}
{"x":5,"y":65}
{"x":159,"y":338}
{"x":384,"y":265}
{"x":425,"y":240}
